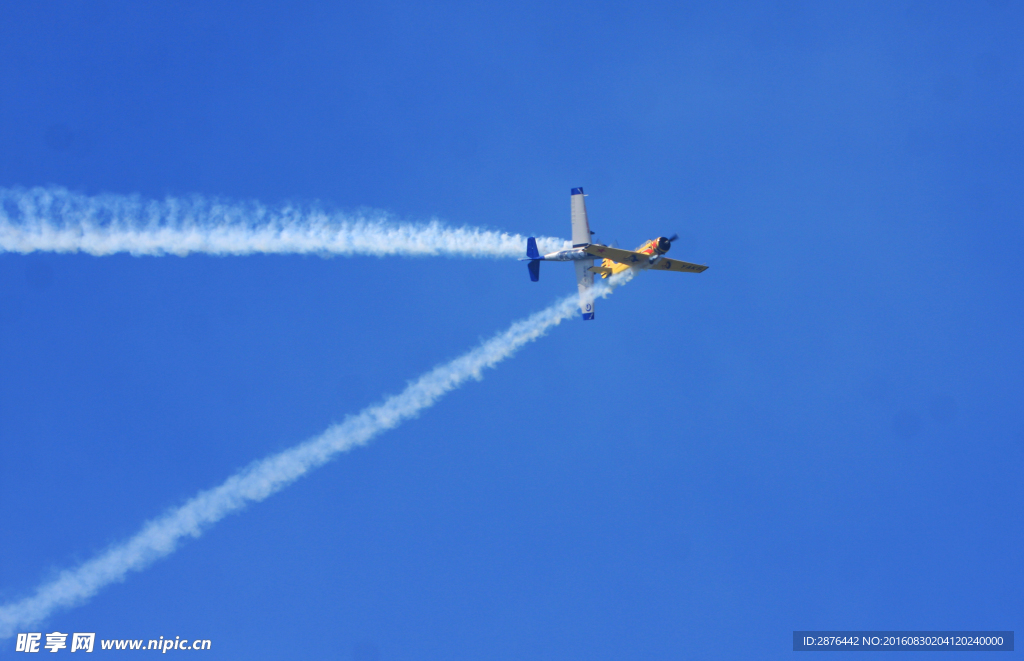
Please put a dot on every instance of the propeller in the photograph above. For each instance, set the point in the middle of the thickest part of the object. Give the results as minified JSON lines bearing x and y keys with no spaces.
{"x":673,"y":238}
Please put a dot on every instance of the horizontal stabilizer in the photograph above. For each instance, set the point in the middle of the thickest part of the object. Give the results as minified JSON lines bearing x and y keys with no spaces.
{"x":603,"y":270}
{"x":534,"y":267}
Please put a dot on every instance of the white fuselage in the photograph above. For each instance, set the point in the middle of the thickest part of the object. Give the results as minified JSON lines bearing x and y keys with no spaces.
{"x":569,"y":255}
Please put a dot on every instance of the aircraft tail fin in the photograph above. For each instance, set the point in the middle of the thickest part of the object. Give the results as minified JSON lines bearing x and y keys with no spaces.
{"x":533,"y":255}
{"x":531,"y":248}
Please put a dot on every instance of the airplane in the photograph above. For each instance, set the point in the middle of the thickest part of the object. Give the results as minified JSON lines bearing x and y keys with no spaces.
{"x":650,"y":255}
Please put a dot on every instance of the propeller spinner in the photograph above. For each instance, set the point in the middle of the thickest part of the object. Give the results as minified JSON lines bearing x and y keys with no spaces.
{"x":665,"y":243}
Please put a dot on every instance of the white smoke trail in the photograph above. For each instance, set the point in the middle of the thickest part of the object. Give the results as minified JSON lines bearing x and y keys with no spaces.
{"x":57,"y":220}
{"x":259,"y":480}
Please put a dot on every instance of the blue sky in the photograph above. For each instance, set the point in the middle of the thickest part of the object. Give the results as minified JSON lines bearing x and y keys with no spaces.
{"x":823,"y":431}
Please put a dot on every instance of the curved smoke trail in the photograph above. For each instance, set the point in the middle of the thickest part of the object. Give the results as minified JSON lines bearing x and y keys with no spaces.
{"x":57,"y":220}
{"x":259,"y":480}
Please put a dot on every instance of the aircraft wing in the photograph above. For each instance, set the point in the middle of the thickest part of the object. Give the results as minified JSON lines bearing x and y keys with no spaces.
{"x":666,"y":264}
{"x":585,"y":283}
{"x":627,"y":257}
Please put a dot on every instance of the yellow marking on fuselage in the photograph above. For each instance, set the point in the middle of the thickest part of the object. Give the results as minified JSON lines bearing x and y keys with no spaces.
{"x":647,"y":248}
